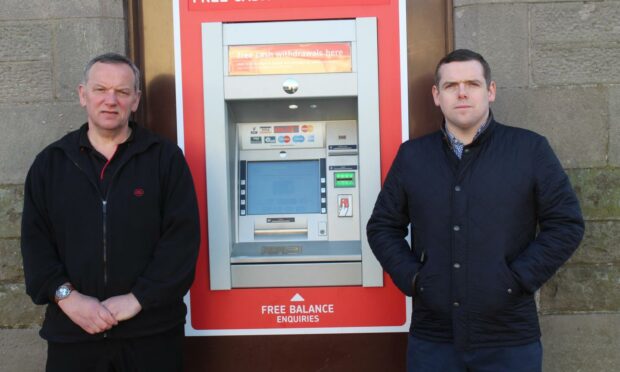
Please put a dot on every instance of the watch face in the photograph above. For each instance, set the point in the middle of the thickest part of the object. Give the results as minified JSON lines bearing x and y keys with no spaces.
{"x":63,"y":292}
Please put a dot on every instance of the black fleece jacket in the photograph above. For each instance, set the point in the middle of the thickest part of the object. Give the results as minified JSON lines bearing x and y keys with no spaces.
{"x":142,"y":236}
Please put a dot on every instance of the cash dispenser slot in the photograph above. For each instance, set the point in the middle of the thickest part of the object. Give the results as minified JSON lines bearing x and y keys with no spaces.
{"x":266,"y":232}
{"x":274,"y":226}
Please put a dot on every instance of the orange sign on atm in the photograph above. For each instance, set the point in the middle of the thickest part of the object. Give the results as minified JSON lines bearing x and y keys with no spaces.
{"x":272,"y":59}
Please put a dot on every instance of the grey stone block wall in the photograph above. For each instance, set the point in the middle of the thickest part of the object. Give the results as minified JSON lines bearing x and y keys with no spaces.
{"x":575,"y":43}
{"x":614,"y":124}
{"x":581,"y":343}
{"x":557,"y":71}
{"x":44,"y":45}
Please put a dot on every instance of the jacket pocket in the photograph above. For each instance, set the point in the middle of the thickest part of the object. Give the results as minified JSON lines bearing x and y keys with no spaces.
{"x":494,"y":291}
{"x":431,"y":291}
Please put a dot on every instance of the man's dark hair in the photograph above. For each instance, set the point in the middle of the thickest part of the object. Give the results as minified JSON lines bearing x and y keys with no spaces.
{"x":463,"y":55}
{"x":113,"y":58}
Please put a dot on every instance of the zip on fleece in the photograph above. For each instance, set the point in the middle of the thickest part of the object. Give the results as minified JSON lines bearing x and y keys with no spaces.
{"x":104,"y":204}
{"x":104,"y":208}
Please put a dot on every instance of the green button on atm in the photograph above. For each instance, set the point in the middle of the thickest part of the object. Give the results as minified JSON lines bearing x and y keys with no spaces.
{"x":344,"y":179}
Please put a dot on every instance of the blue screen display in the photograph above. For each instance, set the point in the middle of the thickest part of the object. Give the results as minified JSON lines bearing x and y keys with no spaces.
{"x":277,"y":187}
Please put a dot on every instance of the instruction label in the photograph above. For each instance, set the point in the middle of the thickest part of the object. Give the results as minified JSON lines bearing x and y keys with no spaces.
{"x":297,"y":311}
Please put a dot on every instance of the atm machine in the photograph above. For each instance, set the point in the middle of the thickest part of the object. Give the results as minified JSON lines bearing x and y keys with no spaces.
{"x":292,"y":152}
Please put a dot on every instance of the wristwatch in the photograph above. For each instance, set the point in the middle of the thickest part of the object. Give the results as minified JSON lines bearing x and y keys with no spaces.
{"x":63,"y":292}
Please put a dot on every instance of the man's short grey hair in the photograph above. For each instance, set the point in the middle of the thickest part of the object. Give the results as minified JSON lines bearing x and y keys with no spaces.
{"x":113,"y":58}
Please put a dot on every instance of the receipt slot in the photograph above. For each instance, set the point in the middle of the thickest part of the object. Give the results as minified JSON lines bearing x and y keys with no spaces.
{"x":290,"y":180}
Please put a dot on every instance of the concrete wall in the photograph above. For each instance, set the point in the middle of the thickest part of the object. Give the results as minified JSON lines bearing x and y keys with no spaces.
{"x":44,"y":45}
{"x":557,"y":71}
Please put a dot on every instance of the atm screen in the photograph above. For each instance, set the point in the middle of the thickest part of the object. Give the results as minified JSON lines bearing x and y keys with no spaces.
{"x":277,"y":187}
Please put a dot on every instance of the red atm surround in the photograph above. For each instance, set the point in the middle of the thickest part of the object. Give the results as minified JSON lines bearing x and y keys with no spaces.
{"x":255,"y":311}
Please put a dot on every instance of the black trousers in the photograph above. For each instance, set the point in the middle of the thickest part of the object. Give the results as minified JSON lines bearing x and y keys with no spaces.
{"x":161,"y":352}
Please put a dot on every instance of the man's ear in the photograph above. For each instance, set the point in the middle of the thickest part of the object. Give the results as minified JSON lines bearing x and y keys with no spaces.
{"x":491,"y":91}
{"x":435,"y":92}
{"x":134,"y":106}
{"x":81,"y":93}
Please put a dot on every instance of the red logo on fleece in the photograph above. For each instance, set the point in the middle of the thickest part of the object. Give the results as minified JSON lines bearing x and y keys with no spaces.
{"x":138,"y":192}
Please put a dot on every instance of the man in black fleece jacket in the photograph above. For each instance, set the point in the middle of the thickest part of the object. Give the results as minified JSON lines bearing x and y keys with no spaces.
{"x":110,"y":234}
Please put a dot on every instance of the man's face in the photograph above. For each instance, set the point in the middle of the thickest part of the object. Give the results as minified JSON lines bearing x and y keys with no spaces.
{"x":109,"y":96}
{"x":463,"y":94}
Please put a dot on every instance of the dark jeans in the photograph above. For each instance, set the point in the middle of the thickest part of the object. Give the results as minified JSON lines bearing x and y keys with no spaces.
{"x":161,"y":352}
{"x":426,"y":356}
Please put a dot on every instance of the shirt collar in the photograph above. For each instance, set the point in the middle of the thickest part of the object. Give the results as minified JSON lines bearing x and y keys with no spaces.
{"x":455,"y":141}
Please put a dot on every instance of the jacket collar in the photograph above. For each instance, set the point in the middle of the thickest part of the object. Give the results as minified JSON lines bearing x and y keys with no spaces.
{"x":140,"y":140}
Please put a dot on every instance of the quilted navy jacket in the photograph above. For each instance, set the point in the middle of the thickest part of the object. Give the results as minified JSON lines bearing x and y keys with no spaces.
{"x":486,"y":232}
